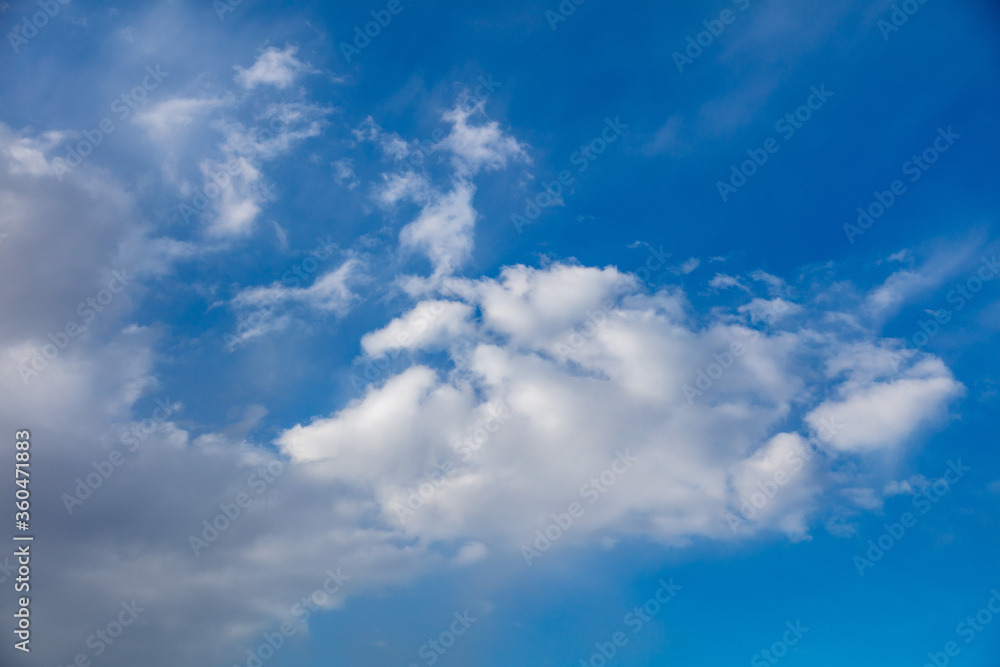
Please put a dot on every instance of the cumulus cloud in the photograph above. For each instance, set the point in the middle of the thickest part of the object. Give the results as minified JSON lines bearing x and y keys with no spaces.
{"x":534,"y":389}
{"x":432,"y":323}
{"x":883,"y":414}
{"x":274,"y":67}
{"x":590,"y":367}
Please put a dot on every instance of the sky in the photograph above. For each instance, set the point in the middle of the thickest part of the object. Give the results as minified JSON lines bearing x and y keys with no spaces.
{"x":537,"y":333}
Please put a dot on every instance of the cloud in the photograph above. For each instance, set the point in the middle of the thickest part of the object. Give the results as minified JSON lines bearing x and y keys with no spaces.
{"x":473,"y":552}
{"x":588,"y":364}
{"x":329,"y":292}
{"x":476,"y":147}
{"x":873,"y":415}
{"x":239,"y":198}
{"x":163,"y":120}
{"x":910,"y":486}
{"x":431,"y":324}
{"x":721,"y":281}
{"x":391,"y":144}
{"x":591,"y":367}
{"x":901,"y":287}
{"x":769,"y":311}
{"x":443,"y":229}
{"x":234,"y":185}
{"x":343,"y":173}
{"x":690,"y":265}
{"x":274,"y":67}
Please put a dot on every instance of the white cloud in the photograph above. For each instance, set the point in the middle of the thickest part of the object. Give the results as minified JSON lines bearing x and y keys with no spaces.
{"x":274,"y":67}
{"x":721,"y":281}
{"x":398,"y":187}
{"x":690,"y":265}
{"x":903,"y":286}
{"x":343,"y":173}
{"x":234,"y":184}
{"x":443,"y":229}
{"x":329,"y":292}
{"x":476,"y":147}
{"x":590,"y":365}
{"x":910,"y":486}
{"x":164,"y":119}
{"x":769,"y":311}
{"x":472,"y":552}
{"x":239,"y":198}
{"x":879,"y":415}
{"x":430,"y":324}
{"x":392,"y":145}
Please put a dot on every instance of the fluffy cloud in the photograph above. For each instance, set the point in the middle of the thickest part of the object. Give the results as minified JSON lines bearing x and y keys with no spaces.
{"x":476,"y":147}
{"x":275,"y":67}
{"x":882,"y":414}
{"x":443,"y":229}
{"x":591,"y":366}
{"x":527,"y":392}
{"x":431,"y":324}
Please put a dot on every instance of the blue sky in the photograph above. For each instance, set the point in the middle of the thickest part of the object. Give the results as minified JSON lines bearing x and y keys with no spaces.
{"x":395,"y":305}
